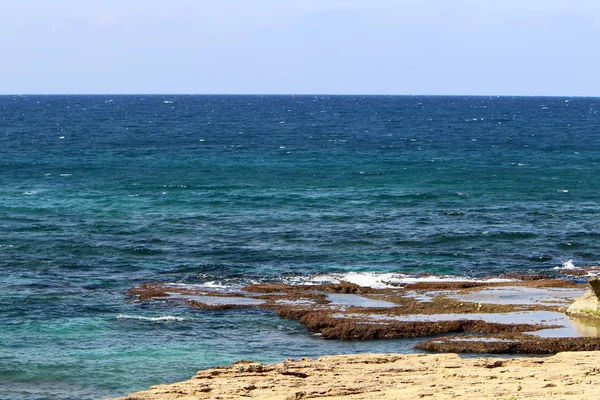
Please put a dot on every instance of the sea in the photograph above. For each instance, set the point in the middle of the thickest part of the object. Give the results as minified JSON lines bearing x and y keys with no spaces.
{"x":101,"y":193}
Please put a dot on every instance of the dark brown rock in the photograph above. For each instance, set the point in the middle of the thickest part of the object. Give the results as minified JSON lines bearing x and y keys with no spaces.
{"x":595,"y":284}
{"x":313,"y":306}
{"x":520,"y":344}
{"x":148,"y":291}
{"x":362,"y":329}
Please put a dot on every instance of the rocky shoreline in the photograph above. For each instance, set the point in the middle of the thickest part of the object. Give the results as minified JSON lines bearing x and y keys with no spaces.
{"x":394,"y":376}
{"x":525,"y":315}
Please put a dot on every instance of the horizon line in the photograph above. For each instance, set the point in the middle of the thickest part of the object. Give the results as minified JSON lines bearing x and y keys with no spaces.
{"x":300,"y":94}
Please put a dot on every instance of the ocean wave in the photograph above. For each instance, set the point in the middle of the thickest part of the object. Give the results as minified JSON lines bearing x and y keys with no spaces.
{"x":219,"y":285}
{"x":567,"y":265}
{"x":164,"y":318}
{"x":389,"y":280}
{"x":568,"y":268}
{"x":212,"y":284}
{"x":366,"y":279}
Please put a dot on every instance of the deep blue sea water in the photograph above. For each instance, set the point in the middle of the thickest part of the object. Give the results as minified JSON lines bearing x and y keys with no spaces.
{"x":101,"y":193}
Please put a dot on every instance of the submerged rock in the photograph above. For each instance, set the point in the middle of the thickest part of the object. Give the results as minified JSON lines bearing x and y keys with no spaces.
{"x":501,"y":312}
{"x":588,"y":305}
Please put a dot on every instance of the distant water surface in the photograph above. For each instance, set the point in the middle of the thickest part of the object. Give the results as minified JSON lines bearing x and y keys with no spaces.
{"x":101,"y":193}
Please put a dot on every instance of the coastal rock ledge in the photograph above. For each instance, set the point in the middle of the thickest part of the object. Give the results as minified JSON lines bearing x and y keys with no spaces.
{"x":587,"y":306}
{"x":573,"y":375}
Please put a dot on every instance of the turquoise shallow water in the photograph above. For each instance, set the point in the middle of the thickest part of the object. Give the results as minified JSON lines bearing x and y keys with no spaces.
{"x":101,"y":193}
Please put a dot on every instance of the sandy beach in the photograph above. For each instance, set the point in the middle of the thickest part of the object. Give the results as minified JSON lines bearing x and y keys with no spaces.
{"x":569,"y":375}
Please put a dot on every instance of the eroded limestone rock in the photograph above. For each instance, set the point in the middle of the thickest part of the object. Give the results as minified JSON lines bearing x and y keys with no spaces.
{"x":588,"y":305}
{"x":595,"y":284}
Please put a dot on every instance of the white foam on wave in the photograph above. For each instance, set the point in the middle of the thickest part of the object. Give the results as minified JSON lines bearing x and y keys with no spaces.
{"x":215,"y":285}
{"x":568,"y":264}
{"x":588,"y":271}
{"x":164,"y":318}
{"x":390,"y":280}
{"x":366,"y":279}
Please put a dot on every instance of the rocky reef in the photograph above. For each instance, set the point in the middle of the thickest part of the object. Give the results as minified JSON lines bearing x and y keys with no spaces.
{"x":486,"y":316}
{"x":519,"y":315}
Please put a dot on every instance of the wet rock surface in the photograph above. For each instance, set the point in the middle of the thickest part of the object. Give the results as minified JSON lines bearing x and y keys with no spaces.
{"x":509,"y":343}
{"x":348,"y":311}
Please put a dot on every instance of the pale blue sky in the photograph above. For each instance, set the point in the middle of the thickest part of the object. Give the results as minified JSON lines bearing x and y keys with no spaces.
{"x":491,"y":47}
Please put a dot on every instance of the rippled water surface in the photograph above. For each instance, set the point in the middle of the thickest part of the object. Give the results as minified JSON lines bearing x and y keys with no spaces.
{"x":101,"y":193}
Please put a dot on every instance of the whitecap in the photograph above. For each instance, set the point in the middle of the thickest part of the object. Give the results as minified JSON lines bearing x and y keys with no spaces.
{"x":568,"y":264}
{"x":390,"y":280}
{"x":214,"y":285}
{"x":164,"y":318}
{"x":365,"y":279}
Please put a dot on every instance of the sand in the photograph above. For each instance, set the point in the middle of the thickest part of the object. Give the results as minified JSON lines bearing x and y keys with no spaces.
{"x":569,"y":375}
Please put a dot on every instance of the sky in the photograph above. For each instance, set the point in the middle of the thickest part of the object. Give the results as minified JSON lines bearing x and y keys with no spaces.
{"x":407,"y":47}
